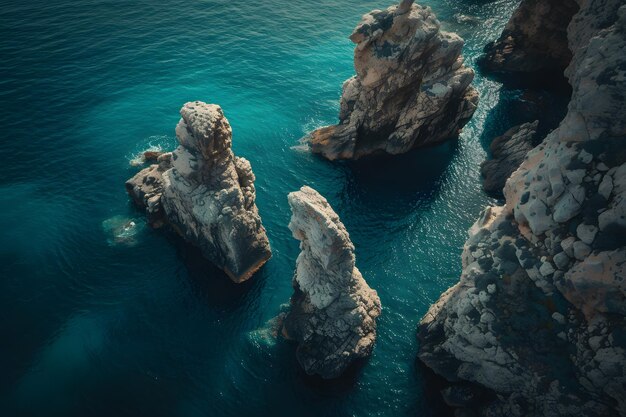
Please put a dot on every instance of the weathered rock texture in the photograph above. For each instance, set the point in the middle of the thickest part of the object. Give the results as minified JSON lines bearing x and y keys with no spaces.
{"x":333,"y":311}
{"x":411,"y":88}
{"x":539,"y":315}
{"x":206,"y":193}
{"x":534,"y":40}
{"x":507,"y":151}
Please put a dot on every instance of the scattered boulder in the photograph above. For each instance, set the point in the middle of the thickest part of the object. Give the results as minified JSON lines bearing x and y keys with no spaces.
{"x":333,"y":311}
{"x":411,"y":87}
{"x":508,"y":151}
{"x":206,"y":194}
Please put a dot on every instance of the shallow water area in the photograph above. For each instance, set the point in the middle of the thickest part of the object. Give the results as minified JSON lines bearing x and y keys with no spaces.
{"x":101,"y":317}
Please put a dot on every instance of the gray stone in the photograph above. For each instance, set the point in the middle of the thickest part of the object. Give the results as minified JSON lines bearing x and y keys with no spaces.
{"x":333,"y":311}
{"x":561,"y":260}
{"x":581,"y":250}
{"x":528,"y":354}
{"x":508,"y":151}
{"x":586,"y":233}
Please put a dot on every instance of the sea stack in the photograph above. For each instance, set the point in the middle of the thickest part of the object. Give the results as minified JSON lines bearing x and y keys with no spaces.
{"x":411,"y":87}
{"x":206,"y":194}
{"x":333,"y":311}
{"x":536,"y":326}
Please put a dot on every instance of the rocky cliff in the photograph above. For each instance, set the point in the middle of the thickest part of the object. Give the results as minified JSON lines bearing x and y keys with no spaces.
{"x":411,"y":87}
{"x":206,"y":194}
{"x":534,"y":40}
{"x":536,"y":325}
{"x":333,"y":311}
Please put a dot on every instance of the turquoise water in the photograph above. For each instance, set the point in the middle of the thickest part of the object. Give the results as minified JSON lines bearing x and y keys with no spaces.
{"x":98,"y":321}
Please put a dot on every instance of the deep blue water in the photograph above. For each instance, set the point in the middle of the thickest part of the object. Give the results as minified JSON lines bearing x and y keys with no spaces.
{"x":90,"y":326}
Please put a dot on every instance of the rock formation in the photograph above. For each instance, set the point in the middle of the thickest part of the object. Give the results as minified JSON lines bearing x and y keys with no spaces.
{"x":507,"y":151}
{"x":538,"y":318}
{"x":411,"y":87}
{"x":333,"y":311}
{"x":206,"y":194}
{"x":534,"y":40}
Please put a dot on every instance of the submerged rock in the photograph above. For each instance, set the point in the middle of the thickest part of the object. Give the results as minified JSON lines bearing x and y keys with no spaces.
{"x":538,"y":315}
{"x":411,"y":87}
{"x":206,"y":193}
{"x":122,"y":230}
{"x":508,"y":151}
{"x":534,"y":40}
{"x":333,"y":311}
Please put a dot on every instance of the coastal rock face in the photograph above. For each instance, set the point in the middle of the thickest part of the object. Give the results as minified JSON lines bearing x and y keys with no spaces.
{"x":411,"y":87}
{"x":206,"y":193}
{"x":508,"y":151}
{"x":333,"y":311}
{"x":534,"y":39}
{"x":538,"y":318}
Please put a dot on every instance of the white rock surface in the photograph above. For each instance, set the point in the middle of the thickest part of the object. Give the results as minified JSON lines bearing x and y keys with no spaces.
{"x":206,"y":193}
{"x":333,"y":311}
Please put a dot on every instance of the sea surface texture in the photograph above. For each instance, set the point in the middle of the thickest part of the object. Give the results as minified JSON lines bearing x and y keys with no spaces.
{"x":103,"y":317}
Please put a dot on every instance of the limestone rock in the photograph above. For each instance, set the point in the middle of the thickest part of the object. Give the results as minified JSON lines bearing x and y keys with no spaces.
{"x":534,"y":39}
{"x":333,"y":311}
{"x":411,"y":87}
{"x":565,"y":206}
{"x":508,"y":151}
{"x":206,"y":193}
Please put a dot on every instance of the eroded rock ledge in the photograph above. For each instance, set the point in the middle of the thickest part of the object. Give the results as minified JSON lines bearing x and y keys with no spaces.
{"x":507,"y":153}
{"x":205,"y":193}
{"x":538,"y":317}
{"x":411,"y":87}
{"x":333,"y":311}
{"x":534,"y":40}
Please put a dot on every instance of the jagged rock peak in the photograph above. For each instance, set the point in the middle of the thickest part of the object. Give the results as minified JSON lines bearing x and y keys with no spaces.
{"x":206,"y":194}
{"x":411,"y":87}
{"x":333,"y":311}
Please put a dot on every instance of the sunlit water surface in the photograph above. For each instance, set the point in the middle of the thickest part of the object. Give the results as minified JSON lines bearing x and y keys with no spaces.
{"x":97,"y":319}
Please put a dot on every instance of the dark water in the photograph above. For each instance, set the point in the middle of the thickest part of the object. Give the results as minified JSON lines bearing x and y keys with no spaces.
{"x":91,"y":325}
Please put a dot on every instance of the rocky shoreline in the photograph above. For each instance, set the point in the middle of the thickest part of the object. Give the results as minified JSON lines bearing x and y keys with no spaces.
{"x":537,"y":319}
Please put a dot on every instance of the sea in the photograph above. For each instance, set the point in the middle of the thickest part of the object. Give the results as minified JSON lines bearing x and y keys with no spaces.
{"x":100,"y":315}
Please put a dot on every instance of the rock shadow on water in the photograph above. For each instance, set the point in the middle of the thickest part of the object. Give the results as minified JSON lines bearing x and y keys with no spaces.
{"x":212,"y":284}
{"x":518,"y":106}
{"x":395,"y":185}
